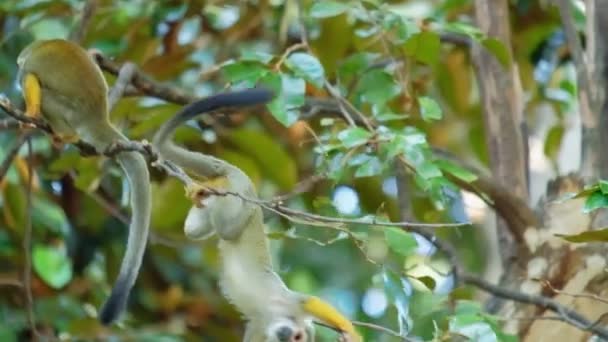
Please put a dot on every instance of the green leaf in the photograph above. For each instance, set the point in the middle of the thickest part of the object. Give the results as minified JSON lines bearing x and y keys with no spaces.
{"x":553,"y":140}
{"x":52,"y":264}
{"x":456,"y":171}
{"x":377,"y":87}
{"x":171,"y":211}
{"x":326,"y":9}
{"x":386,"y":117}
{"x":393,"y":287}
{"x":308,"y":67}
{"x":359,"y":159}
{"x":583,"y":193}
{"x":498,"y":49}
{"x":275,"y":163}
{"x":400,"y":241}
{"x":473,"y":327}
{"x":595,"y":201}
{"x":429,"y":109}
{"x":50,"y":215}
{"x":290,"y":96}
{"x":327,"y":122}
{"x":357,"y":63}
{"x":243,"y":162}
{"x":48,"y":28}
{"x":372,"y":167}
{"x":467,"y":307}
{"x":335,"y":167}
{"x":8,"y":333}
{"x":464,"y":28}
{"x":603,"y":186}
{"x":424,"y":47}
{"x":428,"y":170}
{"x":354,"y":136}
{"x":401,"y":28}
{"x":587,"y":236}
{"x":428,"y":281}
{"x":247,"y":72}
{"x":65,"y":161}
{"x":256,"y":56}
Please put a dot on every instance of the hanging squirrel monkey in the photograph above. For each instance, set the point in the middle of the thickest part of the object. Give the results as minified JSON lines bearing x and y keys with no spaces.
{"x":62,"y":83}
{"x":274,"y":312}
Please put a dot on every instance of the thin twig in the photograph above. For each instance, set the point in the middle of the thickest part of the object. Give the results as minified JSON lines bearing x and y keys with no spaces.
{"x":333,"y":92}
{"x":12,"y":153}
{"x":288,"y":51}
{"x":5,"y":281}
{"x":88,"y":12}
{"x":373,"y":221}
{"x":300,"y":188}
{"x":11,"y":124}
{"x":575,"y":295}
{"x":383,"y":330}
{"x":574,"y":43}
{"x":18,"y":115}
{"x":145,"y":84}
{"x":336,"y":95}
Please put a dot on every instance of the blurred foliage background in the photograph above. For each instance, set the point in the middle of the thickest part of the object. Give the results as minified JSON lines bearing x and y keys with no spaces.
{"x":405,"y":65}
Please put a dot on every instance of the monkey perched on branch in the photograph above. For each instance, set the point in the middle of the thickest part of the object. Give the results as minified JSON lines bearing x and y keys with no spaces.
{"x":63,"y":84}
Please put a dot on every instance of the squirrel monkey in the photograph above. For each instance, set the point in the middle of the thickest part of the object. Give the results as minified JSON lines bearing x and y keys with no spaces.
{"x":61,"y":82}
{"x":274,"y":312}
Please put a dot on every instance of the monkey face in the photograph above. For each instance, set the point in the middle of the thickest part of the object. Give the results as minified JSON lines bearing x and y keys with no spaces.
{"x":290,"y":330}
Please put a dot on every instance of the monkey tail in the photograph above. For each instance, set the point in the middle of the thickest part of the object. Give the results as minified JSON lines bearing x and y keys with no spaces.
{"x":199,"y":163}
{"x":233,"y":99}
{"x":136,"y":170}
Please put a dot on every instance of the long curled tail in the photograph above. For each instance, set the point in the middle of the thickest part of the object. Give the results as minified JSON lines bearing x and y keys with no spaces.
{"x":233,"y":99}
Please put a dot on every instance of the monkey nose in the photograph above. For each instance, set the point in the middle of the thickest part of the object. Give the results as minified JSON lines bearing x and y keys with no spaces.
{"x":284,"y":334}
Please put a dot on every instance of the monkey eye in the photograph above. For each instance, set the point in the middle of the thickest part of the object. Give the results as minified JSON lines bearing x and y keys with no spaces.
{"x":298,"y":336}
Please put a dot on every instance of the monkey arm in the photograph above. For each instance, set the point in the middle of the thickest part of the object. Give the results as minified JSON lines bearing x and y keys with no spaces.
{"x":32,"y":94}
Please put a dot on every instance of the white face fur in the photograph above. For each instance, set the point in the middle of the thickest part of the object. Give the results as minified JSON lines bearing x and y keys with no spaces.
{"x":289,"y":330}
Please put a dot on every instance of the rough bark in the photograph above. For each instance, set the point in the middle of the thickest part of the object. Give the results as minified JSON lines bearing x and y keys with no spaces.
{"x":503,"y":113}
{"x":598,"y":26}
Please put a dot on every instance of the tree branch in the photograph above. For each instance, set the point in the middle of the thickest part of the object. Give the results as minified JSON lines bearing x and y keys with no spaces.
{"x":88,"y":11}
{"x":566,"y":314}
{"x":589,"y":106}
{"x":144,"y":83}
{"x":12,"y":153}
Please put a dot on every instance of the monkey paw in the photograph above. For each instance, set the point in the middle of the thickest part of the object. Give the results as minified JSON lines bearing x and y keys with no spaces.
{"x":197,"y":193}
